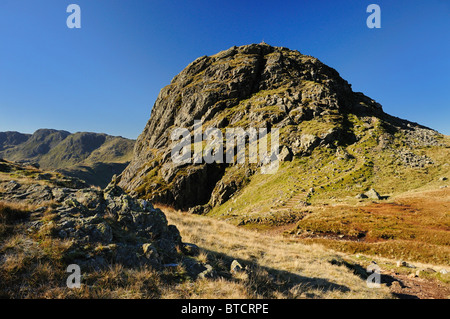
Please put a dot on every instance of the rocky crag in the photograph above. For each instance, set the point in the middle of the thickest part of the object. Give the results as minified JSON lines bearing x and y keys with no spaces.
{"x":318,"y":115}
{"x":101,"y":227}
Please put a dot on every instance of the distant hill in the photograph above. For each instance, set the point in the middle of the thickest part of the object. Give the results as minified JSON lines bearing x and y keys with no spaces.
{"x":93,"y":157}
{"x":11,"y":139}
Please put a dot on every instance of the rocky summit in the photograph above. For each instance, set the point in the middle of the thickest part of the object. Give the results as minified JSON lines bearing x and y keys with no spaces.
{"x":330,"y":137}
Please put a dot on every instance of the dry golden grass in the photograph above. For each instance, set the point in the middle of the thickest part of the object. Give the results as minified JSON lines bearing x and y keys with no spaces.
{"x":33,"y":266}
{"x":278,"y":268}
{"x":414,"y":226}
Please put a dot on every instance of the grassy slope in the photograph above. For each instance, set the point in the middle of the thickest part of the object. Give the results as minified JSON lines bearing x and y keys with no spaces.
{"x":35,"y":146}
{"x":96,"y":165}
{"x":413,"y":226}
{"x":286,"y":269}
{"x":88,"y":148}
{"x":337,"y":176}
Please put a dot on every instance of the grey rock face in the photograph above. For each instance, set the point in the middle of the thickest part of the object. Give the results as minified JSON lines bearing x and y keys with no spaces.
{"x":258,"y":86}
{"x":281,"y":86}
{"x":134,"y":231}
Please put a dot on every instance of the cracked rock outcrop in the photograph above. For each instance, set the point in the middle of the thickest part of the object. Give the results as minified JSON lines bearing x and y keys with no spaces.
{"x":258,"y":86}
{"x":102,"y":226}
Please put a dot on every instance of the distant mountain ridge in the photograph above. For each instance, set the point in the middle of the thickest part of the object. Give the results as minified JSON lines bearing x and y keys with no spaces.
{"x":11,"y":139}
{"x":93,"y":157}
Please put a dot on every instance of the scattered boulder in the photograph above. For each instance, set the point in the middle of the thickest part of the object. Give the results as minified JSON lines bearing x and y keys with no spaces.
{"x":361,"y":196}
{"x":402,"y":263}
{"x":208,"y":272}
{"x":410,"y":159}
{"x":236,"y":267}
{"x":11,"y":186}
{"x":285,"y":154}
{"x":372,"y":194}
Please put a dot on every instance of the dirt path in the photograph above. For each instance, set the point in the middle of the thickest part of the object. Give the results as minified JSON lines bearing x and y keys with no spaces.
{"x":406,"y":287}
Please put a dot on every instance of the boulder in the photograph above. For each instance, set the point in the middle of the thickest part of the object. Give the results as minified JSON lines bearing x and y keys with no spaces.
{"x":135,"y":232}
{"x":208,"y":272}
{"x":285,"y":155}
{"x":428,"y":271}
{"x":402,"y":263}
{"x":191,"y":249}
{"x":236,"y":267}
{"x":372,"y":194}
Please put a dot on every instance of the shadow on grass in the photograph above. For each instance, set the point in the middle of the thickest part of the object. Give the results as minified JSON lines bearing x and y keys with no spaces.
{"x":268,"y":282}
{"x":384,"y":279}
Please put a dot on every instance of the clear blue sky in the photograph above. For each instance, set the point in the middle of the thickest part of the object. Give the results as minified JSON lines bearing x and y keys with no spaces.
{"x":106,"y":76}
